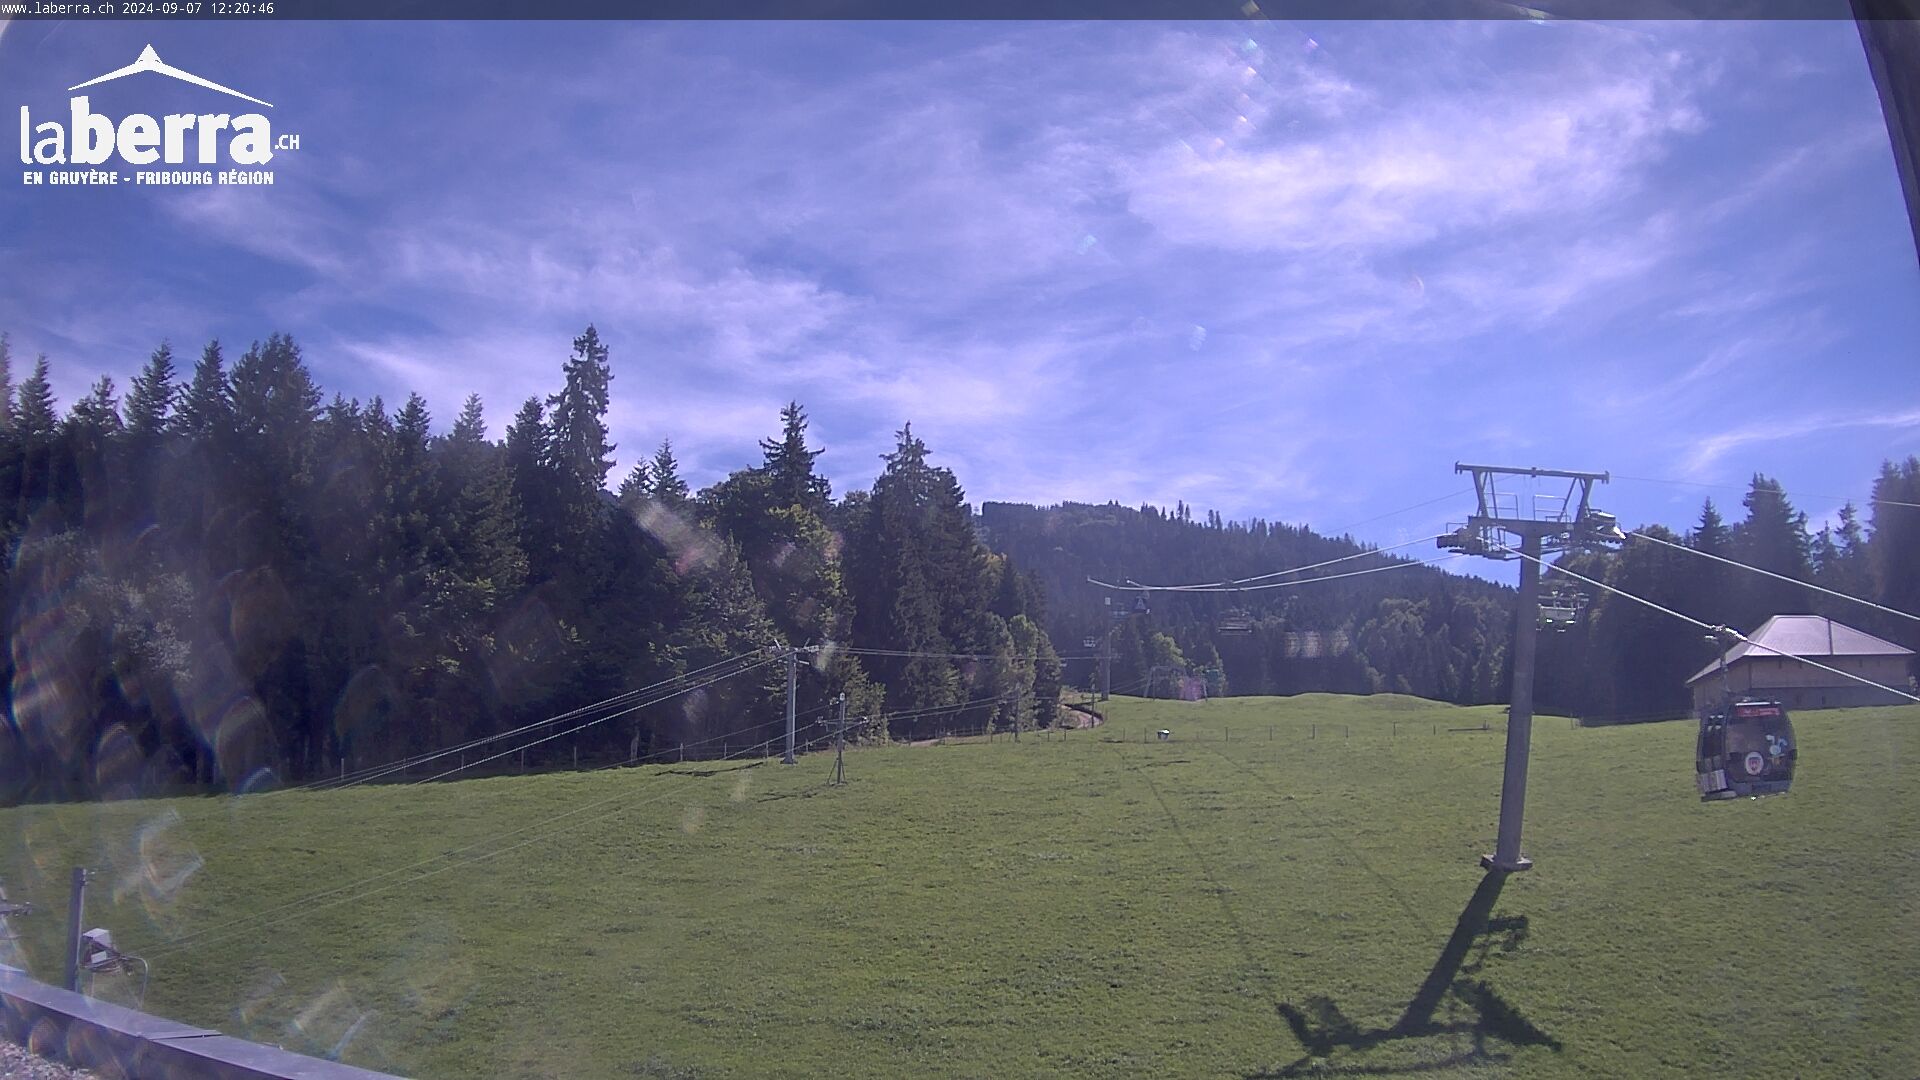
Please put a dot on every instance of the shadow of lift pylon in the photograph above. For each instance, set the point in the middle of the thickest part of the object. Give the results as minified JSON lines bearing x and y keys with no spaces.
{"x":1483,"y":1015}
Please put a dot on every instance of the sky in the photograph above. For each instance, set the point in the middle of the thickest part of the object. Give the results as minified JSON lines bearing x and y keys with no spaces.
{"x":1286,"y":271}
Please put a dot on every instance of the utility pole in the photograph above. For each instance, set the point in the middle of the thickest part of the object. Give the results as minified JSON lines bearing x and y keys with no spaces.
{"x":840,"y":742}
{"x":76,"y":913}
{"x":1542,"y":523}
{"x":793,"y":675}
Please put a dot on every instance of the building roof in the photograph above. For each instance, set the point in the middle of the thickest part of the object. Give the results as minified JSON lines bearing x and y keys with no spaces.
{"x":1805,"y":635}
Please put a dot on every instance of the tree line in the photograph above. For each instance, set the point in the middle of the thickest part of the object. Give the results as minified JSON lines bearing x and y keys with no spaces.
{"x":224,"y":580}
{"x":1417,"y":630}
{"x":1625,"y":660}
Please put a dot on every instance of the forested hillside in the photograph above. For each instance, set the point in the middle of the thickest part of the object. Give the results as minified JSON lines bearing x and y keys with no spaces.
{"x":1413,"y":630}
{"x":227,"y":581}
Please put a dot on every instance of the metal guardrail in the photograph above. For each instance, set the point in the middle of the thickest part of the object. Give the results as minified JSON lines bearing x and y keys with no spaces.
{"x":118,"y":1042}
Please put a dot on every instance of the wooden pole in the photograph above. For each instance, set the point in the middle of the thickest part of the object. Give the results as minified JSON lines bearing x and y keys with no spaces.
{"x":76,"y":912}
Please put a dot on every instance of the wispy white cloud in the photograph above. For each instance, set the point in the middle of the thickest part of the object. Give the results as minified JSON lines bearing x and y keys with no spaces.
{"x":1235,"y":265}
{"x":1710,"y":451}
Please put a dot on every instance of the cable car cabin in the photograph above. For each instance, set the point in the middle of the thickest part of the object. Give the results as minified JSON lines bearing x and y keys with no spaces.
{"x":1746,"y":748}
{"x":1234,"y":621}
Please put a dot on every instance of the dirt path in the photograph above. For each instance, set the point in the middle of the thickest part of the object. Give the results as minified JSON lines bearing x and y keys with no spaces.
{"x":1070,"y":717}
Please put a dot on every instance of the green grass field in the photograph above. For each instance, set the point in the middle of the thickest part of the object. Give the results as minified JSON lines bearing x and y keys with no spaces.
{"x":1289,"y":886}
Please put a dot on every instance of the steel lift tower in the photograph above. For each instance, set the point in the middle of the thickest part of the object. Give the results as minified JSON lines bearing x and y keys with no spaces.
{"x":1513,"y":504}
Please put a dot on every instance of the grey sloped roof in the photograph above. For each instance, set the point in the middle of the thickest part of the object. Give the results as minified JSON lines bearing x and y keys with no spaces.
{"x":1806,"y":635}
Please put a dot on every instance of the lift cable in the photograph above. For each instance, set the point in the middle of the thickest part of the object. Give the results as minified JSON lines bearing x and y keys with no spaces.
{"x":1285,"y":584}
{"x":1771,"y":574}
{"x":1707,"y":625}
{"x":1233,"y":583}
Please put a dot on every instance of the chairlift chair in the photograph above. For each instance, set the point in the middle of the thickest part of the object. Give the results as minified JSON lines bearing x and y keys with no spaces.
{"x":1746,"y":748}
{"x":1235,"y":619}
{"x":1560,"y":609}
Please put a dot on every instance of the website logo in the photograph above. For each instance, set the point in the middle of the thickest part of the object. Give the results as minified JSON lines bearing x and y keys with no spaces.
{"x":94,"y":148}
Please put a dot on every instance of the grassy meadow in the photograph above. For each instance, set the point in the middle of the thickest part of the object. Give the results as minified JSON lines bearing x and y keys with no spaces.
{"x":1288,"y":886}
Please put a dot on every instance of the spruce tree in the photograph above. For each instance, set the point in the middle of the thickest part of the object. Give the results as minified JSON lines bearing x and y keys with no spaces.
{"x":99,"y":411}
{"x":1894,"y":550}
{"x":789,"y":464}
{"x":577,"y":423}
{"x":470,"y":430}
{"x":666,"y":486}
{"x":6,"y":384}
{"x":33,"y":411}
{"x":1847,"y":568}
{"x":1773,"y":537}
{"x":150,"y":400}
{"x":532,"y":479}
{"x":206,"y":404}
{"x":633,"y":490}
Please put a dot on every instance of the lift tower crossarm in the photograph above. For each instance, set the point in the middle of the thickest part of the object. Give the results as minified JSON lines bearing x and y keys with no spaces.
{"x":1504,"y":471}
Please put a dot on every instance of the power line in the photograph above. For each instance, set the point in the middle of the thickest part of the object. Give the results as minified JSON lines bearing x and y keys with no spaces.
{"x":929,"y":710}
{"x":853,"y":651}
{"x":1233,"y":584}
{"x":1287,"y":584}
{"x":1708,"y":626}
{"x":375,"y":772}
{"x":1396,"y":513}
{"x":1771,"y":574}
{"x":575,"y":730}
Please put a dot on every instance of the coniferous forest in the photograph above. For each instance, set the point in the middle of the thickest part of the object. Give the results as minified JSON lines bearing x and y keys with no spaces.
{"x":224,"y":579}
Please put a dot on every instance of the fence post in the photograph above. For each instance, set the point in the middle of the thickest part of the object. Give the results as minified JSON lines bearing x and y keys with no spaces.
{"x":76,"y":912}
{"x":1313,"y":731}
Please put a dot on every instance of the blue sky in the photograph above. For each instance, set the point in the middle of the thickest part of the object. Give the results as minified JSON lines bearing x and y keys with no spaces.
{"x":1278,"y":270}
